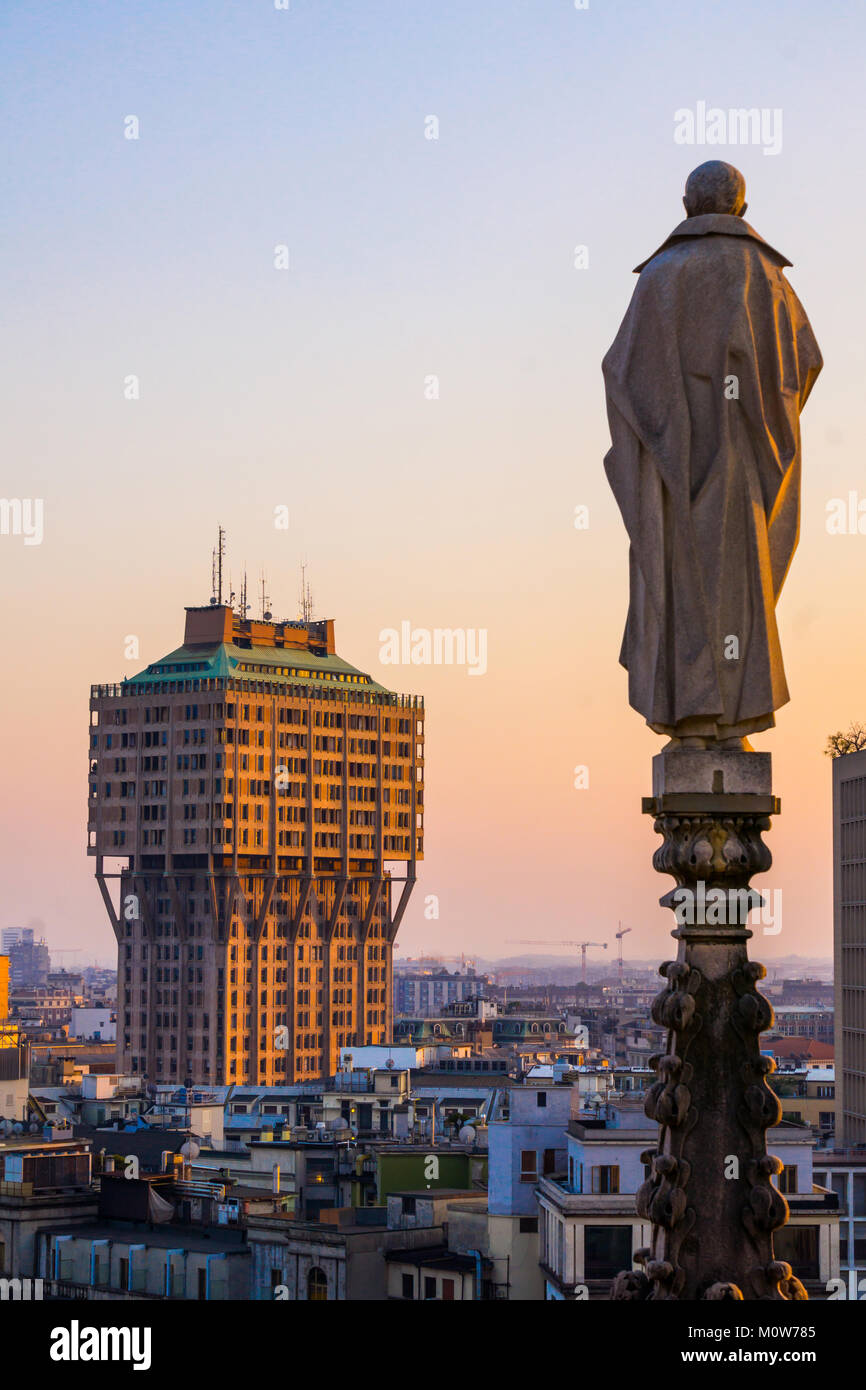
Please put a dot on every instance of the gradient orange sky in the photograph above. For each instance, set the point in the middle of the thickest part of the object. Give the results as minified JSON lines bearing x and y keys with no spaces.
{"x":408,"y":257}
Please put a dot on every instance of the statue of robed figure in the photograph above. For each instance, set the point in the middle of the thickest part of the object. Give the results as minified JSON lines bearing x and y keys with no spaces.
{"x":705,"y":382}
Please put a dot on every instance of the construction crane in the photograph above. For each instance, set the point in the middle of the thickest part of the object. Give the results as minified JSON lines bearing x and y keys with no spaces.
{"x":582,"y":944}
{"x":619,"y":936}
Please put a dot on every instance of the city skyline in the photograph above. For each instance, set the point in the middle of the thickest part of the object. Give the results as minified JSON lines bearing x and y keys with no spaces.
{"x":432,"y":530}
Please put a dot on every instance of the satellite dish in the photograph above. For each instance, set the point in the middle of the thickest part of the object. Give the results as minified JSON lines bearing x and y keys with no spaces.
{"x":190,"y":1149}
{"x":466,"y":1135}
{"x":390,"y":1064}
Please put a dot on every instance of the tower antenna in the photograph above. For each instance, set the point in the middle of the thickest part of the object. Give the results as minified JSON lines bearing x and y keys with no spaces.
{"x":266,"y":603}
{"x":306,"y":595}
{"x":217,"y":568}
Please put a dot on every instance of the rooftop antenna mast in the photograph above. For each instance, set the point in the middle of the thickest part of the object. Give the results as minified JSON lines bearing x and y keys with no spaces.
{"x":244,"y":606}
{"x":217,"y":568}
{"x":306,"y":595}
{"x":266,"y":603}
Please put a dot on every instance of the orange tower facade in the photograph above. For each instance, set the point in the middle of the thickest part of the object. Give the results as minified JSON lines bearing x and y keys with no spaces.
{"x":259,"y":803}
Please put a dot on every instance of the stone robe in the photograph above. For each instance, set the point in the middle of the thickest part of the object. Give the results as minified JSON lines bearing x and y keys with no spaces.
{"x":705,"y":382}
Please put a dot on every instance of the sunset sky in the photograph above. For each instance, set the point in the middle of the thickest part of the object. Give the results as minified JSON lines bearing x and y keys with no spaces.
{"x":409,"y":258}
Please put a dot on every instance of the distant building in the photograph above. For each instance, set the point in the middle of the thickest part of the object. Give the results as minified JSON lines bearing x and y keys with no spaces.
{"x":405,"y":1250}
{"x":803,"y":1021}
{"x":42,"y":1185}
{"x":476,"y":1006}
{"x":796,"y":1051}
{"x":93,"y":1023}
{"x":849,"y":944}
{"x":319,"y":1261}
{"x":14,"y":1074}
{"x":29,"y":963}
{"x":156,"y":1236}
{"x":36,"y":1007}
{"x":589,"y":1230}
{"x":383,"y":1058}
{"x":817,"y":993}
{"x":69,"y":981}
{"x":425,"y":995}
{"x":526,"y":1140}
{"x":844,"y":1172}
{"x":807,"y":1096}
{"x":14,"y":936}
{"x":453,"y":1269}
{"x":4,"y":987}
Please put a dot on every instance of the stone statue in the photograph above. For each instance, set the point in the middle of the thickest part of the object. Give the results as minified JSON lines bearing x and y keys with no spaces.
{"x":705,"y":382}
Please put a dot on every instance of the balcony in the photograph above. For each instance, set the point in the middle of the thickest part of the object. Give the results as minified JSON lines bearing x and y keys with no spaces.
{"x":557,"y":1190}
{"x":63,"y":1290}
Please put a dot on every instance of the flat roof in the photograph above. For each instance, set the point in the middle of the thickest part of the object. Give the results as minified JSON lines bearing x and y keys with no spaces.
{"x":432,"y":1257}
{"x":449,"y":1192}
{"x":163,"y":1238}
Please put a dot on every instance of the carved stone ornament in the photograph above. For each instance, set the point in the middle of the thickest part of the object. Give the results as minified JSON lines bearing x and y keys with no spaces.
{"x":709,"y":1195}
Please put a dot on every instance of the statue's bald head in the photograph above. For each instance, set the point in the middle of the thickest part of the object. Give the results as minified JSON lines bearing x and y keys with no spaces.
{"x":715,"y":187}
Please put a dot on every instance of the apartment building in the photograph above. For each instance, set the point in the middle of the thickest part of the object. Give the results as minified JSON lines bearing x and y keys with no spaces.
{"x":257,"y":805}
{"x":849,"y":944}
{"x":589,"y":1230}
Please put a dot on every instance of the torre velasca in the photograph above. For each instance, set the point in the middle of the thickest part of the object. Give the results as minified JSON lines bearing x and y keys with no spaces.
{"x":259,"y":802}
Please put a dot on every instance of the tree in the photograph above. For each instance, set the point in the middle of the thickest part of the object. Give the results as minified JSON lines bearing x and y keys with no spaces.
{"x":839,"y":744}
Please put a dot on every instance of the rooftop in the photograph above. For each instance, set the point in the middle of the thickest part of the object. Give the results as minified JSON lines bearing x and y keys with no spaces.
{"x":227,"y":660}
{"x":432,"y":1257}
{"x":218,"y":644}
{"x":452,"y":1194}
{"x":168,"y":1237}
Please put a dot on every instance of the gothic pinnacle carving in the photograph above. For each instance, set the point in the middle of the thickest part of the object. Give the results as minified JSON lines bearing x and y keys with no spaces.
{"x":710,"y":1195}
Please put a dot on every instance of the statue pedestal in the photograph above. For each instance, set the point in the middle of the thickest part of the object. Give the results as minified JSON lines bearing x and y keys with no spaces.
{"x":708,"y":1195}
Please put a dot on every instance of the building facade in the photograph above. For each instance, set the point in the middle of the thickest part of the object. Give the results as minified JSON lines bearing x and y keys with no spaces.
{"x":256,"y":799}
{"x":424,"y":995}
{"x":14,"y":936}
{"x":849,"y":944}
{"x":589,"y":1230}
{"x":29,"y":962}
{"x":527,"y":1140}
{"x":843,"y":1171}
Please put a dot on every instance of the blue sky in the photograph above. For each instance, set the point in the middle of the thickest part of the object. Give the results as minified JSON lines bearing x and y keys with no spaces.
{"x":408,"y":257}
